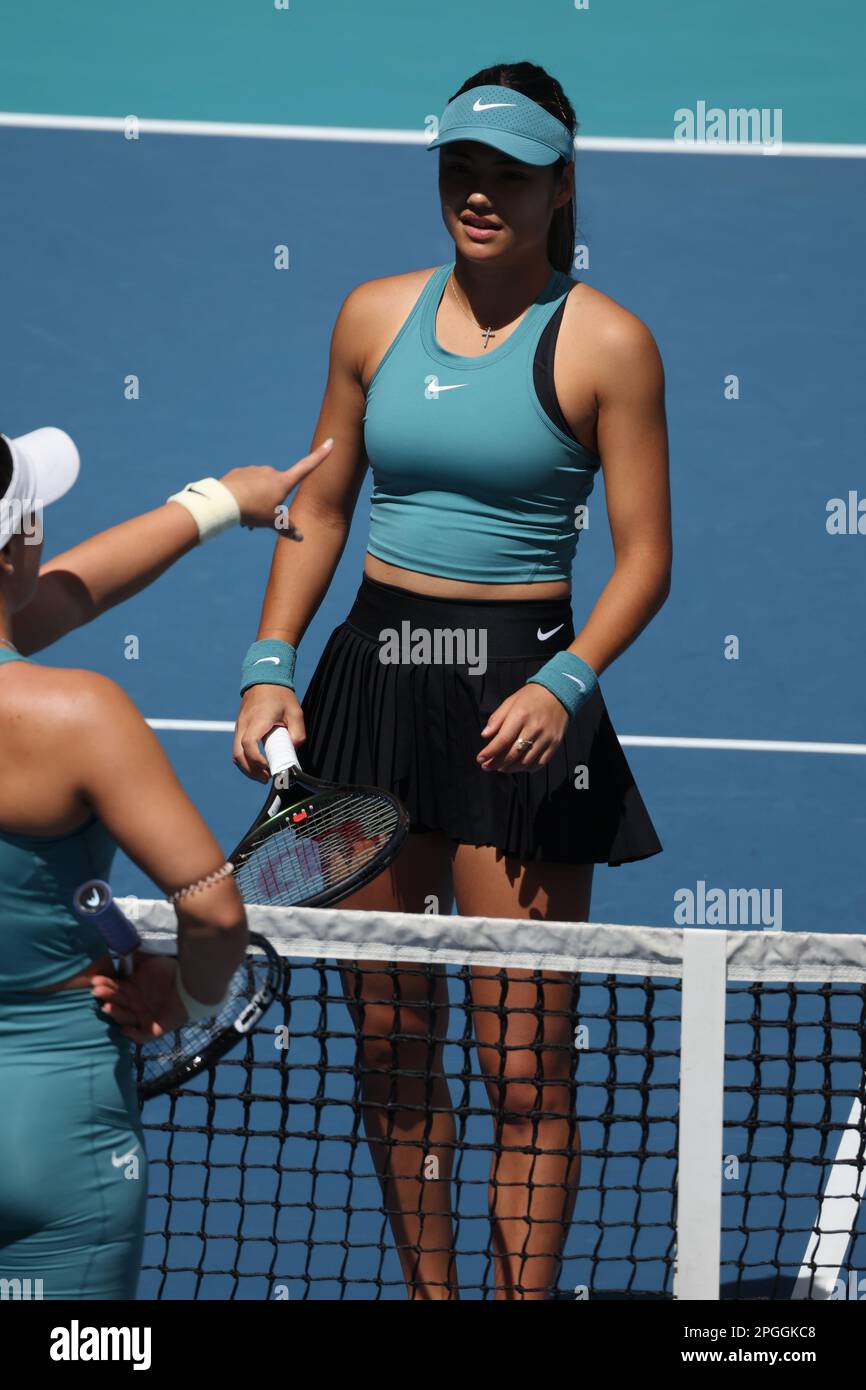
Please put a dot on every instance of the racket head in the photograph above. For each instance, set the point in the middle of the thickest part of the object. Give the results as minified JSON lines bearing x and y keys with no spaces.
{"x":316,"y":842}
{"x":166,"y":1063}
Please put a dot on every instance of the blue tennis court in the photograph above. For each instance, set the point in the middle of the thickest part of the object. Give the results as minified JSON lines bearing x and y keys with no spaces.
{"x":145,"y":314}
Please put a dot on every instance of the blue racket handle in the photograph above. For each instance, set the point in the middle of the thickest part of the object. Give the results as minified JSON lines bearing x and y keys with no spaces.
{"x":94,"y":904}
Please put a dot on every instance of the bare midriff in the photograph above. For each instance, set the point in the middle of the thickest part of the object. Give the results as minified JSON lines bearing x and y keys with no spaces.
{"x":439,"y":587}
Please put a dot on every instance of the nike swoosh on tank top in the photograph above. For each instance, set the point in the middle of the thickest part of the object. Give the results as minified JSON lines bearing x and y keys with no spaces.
{"x":476,"y":483}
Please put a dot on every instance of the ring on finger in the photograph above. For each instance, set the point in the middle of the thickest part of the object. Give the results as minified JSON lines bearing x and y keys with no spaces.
{"x":523,"y":743}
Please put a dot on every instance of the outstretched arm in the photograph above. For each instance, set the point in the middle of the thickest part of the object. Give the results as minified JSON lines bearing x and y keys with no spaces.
{"x":79,"y":585}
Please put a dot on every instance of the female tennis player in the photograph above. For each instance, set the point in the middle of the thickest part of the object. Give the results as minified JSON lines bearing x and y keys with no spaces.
{"x":83,"y":773}
{"x":486,"y":394}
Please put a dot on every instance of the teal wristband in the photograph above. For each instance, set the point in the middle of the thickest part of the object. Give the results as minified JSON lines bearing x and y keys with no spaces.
{"x":568,"y":678}
{"x":269,"y":662}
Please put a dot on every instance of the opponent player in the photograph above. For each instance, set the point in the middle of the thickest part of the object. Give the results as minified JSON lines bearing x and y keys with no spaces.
{"x":82,"y":773}
{"x":486,"y":394}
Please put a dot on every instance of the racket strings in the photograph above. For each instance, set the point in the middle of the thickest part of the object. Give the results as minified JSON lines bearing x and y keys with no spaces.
{"x":157,"y":1059}
{"x":341,"y":813}
{"x":333,"y":843}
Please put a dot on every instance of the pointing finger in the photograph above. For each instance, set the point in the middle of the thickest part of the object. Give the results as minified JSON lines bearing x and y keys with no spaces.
{"x":292,"y":476}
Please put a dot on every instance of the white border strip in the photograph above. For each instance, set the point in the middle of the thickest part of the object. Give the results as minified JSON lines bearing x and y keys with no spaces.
{"x":702,"y":1097}
{"x":595,"y":948}
{"x":372,"y":136}
{"x":749,"y":745}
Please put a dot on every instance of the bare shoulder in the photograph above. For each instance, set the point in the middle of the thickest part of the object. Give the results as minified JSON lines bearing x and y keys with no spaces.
{"x":68,"y":703}
{"x":372,"y":314}
{"x":616,"y":336}
{"x":388,"y":293}
{"x":70,"y":726}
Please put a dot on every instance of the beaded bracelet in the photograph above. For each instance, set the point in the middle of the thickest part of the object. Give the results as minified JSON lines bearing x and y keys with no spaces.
{"x":227,"y":868}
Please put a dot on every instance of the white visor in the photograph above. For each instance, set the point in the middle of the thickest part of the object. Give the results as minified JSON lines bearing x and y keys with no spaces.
{"x":44,"y":466}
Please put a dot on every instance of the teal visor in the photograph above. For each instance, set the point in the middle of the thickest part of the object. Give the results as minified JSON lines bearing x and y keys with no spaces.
{"x":508,"y":121}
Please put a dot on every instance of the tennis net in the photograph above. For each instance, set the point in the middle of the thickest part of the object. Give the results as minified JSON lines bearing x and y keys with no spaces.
{"x":520,"y":1109}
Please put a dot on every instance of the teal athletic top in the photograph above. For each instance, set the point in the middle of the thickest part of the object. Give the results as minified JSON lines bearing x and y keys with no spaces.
{"x":71,"y":1133}
{"x":41,"y":940}
{"x":473,"y":478}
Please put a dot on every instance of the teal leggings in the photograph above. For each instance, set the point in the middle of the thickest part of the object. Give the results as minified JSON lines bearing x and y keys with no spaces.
{"x":73,"y":1171}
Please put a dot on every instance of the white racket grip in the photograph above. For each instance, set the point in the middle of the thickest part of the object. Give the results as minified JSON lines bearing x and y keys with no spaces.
{"x":280,"y":751}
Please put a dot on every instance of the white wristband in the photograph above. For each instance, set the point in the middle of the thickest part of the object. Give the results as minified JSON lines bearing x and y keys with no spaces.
{"x":212,"y":505}
{"x":196,"y":1010}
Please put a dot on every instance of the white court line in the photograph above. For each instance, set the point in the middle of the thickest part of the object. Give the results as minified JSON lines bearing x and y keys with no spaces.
{"x":802,"y":149}
{"x":242,"y":129}
{"x":371,"y":136}
{"x":747,"y":745}
{"x":195,"y":726}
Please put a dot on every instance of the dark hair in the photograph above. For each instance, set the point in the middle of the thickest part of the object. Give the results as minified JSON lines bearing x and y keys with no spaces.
{"x":5,"y":466}
{"x":5,"y":469}
{"x":537,"y":84}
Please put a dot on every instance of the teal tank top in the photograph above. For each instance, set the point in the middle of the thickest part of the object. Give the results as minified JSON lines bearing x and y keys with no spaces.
{"x":472,"y":479}
{"x":41,"y":940}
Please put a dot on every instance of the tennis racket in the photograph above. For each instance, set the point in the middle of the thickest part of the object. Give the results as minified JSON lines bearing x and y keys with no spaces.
{"x":315,"y":842}
{"x":165,"y":1063}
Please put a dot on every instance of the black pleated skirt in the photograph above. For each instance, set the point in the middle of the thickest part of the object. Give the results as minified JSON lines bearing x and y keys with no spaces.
{"x":400,"y":696}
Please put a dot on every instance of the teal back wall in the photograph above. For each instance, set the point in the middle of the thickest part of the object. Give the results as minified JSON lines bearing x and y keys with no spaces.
{"x":626,"y":64}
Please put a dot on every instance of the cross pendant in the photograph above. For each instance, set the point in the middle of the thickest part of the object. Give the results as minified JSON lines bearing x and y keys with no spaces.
{"x":488,"y":334}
